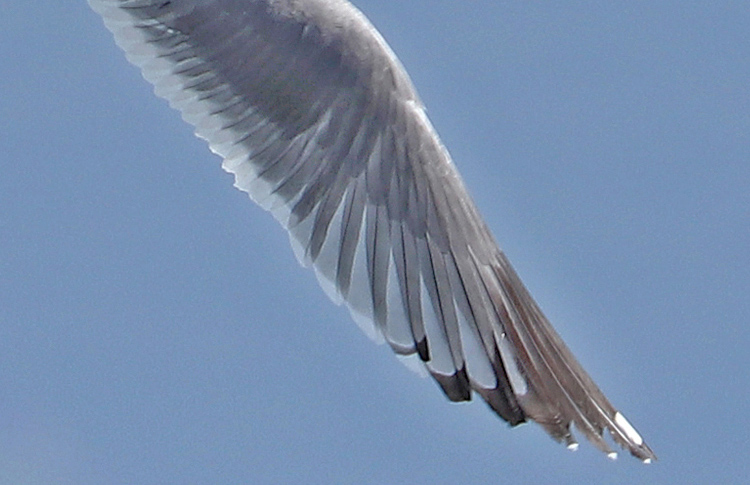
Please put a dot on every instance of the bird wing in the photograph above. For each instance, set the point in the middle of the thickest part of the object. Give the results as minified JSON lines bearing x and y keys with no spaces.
{"x":320,"y":124}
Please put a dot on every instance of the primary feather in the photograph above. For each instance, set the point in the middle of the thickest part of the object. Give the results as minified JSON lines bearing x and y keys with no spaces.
{"x":320,"y":124}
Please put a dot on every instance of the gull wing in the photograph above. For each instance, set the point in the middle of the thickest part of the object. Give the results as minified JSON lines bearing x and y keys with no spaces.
{"x":320,"y":124}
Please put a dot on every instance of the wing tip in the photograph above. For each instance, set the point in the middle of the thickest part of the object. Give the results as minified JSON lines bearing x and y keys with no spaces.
{"x":631,"y":439}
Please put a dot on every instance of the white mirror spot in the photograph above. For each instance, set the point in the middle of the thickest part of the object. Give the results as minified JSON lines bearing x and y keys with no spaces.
{"x":628,"y":429}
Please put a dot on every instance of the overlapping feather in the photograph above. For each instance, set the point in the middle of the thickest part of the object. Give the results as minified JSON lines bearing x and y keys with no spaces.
{"x":319,"y":124}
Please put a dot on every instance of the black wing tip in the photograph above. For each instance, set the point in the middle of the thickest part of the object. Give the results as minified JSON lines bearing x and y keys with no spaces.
{"x":455,"y":386}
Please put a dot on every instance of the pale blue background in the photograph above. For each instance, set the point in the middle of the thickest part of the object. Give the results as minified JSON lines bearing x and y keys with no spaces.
{"x":156,"y":328}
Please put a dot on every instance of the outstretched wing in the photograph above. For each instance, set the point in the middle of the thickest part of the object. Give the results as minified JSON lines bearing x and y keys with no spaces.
{"x":319,"y":123}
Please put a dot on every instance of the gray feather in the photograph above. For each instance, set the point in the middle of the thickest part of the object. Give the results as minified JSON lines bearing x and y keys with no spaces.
{"x":320,"y":124}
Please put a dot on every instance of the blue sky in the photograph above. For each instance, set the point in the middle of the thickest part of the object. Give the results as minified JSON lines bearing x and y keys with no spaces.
{"x":155,"y":326}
